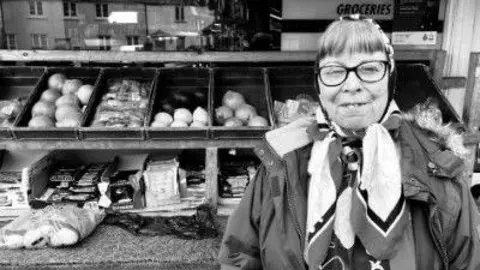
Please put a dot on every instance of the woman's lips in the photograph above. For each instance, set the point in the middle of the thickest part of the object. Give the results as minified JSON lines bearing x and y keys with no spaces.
{"x":352,"y":105}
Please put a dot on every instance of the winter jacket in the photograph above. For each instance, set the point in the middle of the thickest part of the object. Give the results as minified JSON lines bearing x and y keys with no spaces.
{"x":267,"y":230}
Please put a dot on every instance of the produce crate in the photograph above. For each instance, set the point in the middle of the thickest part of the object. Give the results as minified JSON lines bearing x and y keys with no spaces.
{"x":141,"y":75}
{"x":177,"y":88}
{"x":415,"y":85}
{"x":21,"y":129}
{"x":290,"y":83}
{"x":17,"y":83}
{"x":251,"y":83}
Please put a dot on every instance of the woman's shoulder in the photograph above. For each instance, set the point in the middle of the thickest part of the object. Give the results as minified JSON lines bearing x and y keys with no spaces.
{"x":290,"y":137}
{"x":441,"y":142}
{"x":426,"y":118}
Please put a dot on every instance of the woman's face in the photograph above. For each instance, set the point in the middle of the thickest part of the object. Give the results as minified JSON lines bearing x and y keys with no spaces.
{"x":354,"y":104}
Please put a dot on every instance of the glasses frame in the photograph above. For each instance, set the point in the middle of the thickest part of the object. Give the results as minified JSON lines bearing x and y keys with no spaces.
{"x":355,"y":70}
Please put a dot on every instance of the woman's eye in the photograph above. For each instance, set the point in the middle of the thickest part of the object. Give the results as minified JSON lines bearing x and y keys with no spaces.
{"x":333,"y":71}
{"x":370,"y":68}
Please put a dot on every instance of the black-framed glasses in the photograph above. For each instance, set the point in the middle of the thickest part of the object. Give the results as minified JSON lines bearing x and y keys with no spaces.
{"x":370,"y":72}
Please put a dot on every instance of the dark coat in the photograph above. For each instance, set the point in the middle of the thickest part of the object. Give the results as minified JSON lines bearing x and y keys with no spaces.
{"x":267,"y":230}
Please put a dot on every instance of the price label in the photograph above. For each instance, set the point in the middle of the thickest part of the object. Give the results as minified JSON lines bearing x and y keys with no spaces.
{"x":414,"y":38}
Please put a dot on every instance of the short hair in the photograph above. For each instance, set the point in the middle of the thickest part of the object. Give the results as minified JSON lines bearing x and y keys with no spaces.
{"x":353,"y":36}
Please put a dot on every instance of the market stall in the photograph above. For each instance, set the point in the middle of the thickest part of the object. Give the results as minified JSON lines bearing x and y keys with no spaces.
{"x":141,"y":124}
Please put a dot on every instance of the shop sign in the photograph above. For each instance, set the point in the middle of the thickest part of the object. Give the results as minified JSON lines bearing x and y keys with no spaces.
{"x":332,"y":9}
{"x":414,"y":38}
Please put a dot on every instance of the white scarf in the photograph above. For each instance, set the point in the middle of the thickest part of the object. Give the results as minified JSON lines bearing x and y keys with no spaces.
{"x":344,"y":212}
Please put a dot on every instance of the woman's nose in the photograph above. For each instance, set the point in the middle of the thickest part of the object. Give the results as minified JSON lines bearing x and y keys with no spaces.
{"x":352,"y":83}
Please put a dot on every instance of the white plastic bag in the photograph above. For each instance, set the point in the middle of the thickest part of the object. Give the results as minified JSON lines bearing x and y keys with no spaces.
{"x":55,"y":226}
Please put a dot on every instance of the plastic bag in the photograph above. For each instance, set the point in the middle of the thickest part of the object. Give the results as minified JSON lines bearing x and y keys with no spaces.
{"x":54,"y":226}
{"x":202,"y":225}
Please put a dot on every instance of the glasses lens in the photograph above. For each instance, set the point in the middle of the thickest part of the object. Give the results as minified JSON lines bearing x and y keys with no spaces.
{"x":332,"y":75}
{"x":371,"y":71}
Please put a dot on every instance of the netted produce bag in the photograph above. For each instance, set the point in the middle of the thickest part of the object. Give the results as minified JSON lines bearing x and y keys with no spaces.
{"x":53,"y":226}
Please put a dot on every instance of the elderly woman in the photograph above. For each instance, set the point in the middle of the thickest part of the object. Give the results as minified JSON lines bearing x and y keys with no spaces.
{"x":361,"y":186}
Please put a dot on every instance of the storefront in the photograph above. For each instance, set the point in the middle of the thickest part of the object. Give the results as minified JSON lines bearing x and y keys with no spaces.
{"x":153,"y":57}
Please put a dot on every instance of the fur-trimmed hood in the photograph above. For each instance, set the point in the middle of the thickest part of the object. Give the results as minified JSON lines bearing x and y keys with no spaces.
{"x":426,"y":116}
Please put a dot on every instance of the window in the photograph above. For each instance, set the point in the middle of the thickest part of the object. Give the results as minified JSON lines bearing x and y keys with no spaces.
{"x":69,"y":9}
{"x":39,"y":41}
{"x":179,"y":14}
{"x":132,"y":40}
{"x":36,"y":8}
{"x":11,"y":42}
{"x":181,"y":44}
{"x":102,"y":10}
{"x":104,"y":43}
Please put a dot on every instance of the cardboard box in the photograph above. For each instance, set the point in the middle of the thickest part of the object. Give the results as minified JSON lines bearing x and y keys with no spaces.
{"x":161,"y":183}
{"x":117,"y":174}
{"x":15,"y":167}
{"x":44,"y":190}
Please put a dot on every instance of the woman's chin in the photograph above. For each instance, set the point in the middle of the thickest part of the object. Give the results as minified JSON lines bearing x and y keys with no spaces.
{"x":354,"y":125}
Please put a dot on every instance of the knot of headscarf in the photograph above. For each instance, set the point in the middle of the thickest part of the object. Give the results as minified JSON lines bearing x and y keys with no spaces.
{"x":355,"y":190}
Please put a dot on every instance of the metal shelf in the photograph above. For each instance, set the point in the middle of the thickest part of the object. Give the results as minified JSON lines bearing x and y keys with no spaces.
{"x":127,"y":144}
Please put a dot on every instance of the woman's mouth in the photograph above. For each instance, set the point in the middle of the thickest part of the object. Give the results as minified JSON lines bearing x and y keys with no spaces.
{"x":352,"y":105}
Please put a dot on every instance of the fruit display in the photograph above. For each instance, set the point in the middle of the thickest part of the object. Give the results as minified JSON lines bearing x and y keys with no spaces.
{"x":236,"y":112}
{"x":124,"y":104}
{"x":9,"y":110}
{"x":62,"y":104}
{"x":182,"y":109}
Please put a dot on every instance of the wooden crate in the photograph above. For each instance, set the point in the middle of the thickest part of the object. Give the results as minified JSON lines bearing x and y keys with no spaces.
{"x":193,"y":83}
{"x":18,"y":82}
{"x":21,"y":129}
{"x":290,"y":82}
{"x":89,"y":132}
{"x":415,"y":85}
{"x":251,"y":83}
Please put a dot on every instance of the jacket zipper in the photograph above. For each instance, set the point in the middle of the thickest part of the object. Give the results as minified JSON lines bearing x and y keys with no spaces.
{"x":438,"y":243}
{"x":291,"y":207}
{"x":436,"y":240}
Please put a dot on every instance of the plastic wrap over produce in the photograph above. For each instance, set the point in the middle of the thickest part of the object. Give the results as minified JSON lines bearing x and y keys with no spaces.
{"x":292,"y":110}
{"x":54,"y":226}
